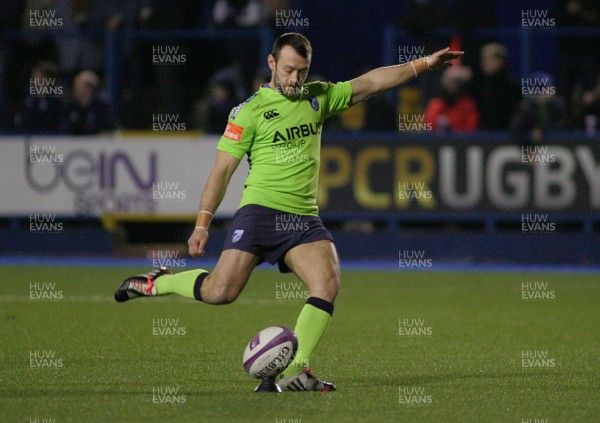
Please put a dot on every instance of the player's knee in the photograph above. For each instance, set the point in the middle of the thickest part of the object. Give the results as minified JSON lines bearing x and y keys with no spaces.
{"x":225,"y":295}
{"x":329,"y":286}
{"x":229,"y":296}
{"x":221,"y":292}
{"x":333,"y":284}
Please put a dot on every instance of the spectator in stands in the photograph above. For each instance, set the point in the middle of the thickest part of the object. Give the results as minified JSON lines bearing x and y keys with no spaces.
{"x":10,"y":18}
{"x":84,"y":51}
{"x":423,"y":16}
{"x":469,"y":17}
{"x":421,"y":19}
{"x":42,"y":109}
{"x":211,"y":112}
{"x":578,"y":56}
{"x":86,"y":112}
{"x":239,"y":13}
{"x":591,"y":108}
{"x":538,"y":114}
{"x":495,"y":91}
{"x":262,"y":77}
{"x":454,"y":110}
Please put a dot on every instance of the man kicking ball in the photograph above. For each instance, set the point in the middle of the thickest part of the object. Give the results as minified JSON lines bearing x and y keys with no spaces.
{"x":279,"y":129}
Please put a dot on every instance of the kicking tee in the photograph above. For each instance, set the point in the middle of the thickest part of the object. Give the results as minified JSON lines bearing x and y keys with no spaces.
{"x":282,"y":139}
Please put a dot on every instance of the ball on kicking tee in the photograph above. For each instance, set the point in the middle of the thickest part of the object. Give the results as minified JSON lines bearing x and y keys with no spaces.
{"x":270,"y":352}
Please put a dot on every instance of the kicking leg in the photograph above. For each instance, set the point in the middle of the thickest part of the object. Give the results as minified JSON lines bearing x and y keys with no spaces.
{"x":222,"y":286}
{"x":227,"y":280}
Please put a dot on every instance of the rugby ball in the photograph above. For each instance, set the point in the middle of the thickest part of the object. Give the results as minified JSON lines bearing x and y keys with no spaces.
{"x":270,"y":352}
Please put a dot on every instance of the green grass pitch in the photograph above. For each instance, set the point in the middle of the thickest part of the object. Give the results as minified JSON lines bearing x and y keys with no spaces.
{"x":481,"y":353}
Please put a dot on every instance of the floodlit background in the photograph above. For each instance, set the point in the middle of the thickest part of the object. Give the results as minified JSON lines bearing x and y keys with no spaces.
{"x":485,"y":175}
{"x":111,"y":110}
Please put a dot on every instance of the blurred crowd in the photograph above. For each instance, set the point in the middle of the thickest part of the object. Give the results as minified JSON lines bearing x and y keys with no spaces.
{"x":54,"y":81}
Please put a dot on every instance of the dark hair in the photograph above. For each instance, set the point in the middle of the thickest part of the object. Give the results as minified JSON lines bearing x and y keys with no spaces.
{"x":297,"y":41}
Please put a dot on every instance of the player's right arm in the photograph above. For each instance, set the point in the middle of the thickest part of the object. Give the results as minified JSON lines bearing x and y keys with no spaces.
{"x":385,"y":78}
{"x":213,"y":194}
{"x":233,"y":145}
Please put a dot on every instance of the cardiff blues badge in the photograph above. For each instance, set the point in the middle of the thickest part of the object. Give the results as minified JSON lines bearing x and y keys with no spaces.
{"x":314,"y":103}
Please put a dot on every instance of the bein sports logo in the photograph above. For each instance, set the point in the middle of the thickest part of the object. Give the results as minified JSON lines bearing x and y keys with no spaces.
{"x":100,"y":181}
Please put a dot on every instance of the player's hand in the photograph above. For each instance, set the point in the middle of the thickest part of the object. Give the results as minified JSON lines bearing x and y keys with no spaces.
{"x":197,"y":242}
{"x":441,"y":59}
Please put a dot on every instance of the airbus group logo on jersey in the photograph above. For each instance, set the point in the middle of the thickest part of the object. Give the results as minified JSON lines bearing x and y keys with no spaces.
{"x":292,"y":149}
{"x":293,"y":132}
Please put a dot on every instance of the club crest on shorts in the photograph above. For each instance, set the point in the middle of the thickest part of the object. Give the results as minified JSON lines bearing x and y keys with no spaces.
{"x":237,"y":235}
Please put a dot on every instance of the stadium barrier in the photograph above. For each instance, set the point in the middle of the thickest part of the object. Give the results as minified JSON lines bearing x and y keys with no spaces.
{"x":472,"y":198}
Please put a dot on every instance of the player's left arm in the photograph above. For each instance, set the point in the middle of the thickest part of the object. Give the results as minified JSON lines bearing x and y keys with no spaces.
{"x":382,"y":79}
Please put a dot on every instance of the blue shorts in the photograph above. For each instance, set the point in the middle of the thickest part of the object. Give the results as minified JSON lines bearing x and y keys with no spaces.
{"x":270,"y":234}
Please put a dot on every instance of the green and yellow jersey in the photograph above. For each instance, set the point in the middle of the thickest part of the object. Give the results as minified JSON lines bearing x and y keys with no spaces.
{"x":282,"y":138}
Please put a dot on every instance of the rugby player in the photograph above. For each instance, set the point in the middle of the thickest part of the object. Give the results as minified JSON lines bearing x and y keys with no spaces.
{"x":279,"y":129}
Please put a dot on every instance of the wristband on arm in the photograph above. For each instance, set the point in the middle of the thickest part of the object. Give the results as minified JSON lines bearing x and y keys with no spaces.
{"x":203,"y":219}
{"x":421,"y":65}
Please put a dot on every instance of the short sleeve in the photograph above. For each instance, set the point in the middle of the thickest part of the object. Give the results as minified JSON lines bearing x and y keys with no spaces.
{"x":238,"y":135}
{"x":338,"y":98}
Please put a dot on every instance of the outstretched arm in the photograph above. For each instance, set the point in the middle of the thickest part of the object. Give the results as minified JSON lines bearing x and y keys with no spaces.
{"x":213,"y":194}
{"x":384,"y":78}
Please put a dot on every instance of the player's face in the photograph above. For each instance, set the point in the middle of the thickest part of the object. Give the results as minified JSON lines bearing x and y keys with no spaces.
{"x":289,"y":72}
